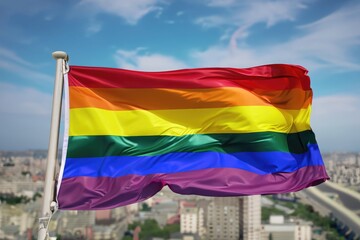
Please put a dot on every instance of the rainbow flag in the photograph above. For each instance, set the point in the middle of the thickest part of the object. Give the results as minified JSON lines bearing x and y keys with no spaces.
{"x":206,"y":131}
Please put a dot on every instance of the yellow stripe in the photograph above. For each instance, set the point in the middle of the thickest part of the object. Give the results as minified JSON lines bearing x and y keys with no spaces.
{"x":239,"y":119}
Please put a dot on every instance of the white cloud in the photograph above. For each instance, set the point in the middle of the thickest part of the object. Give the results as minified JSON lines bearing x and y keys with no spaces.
{"x":170,"y":22}
{"x":93,"y":28}
{"x":333,"y":38}
{"x":270,"y":12}
{"x":261,"y":11}
{"x":140,"y":60}
{"x":328,"y":42}
{"x":180,"y":13}
{"x":336,"y":122}
{"x":131,"y":11}
{"x":211,"y":21}
{"x":221,"y":3}
{"x":244,"y":14}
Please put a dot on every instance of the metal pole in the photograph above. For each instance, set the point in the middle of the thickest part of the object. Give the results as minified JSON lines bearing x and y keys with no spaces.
{"x":47,"y":210}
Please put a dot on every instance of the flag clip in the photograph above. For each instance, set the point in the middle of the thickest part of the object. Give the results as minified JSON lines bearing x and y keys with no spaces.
{"x":66,"y":67}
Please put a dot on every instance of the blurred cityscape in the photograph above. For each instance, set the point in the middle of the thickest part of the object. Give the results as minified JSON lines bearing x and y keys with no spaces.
{"x":328,"y":211}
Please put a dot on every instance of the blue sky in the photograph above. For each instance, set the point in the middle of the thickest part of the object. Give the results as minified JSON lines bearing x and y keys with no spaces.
{"x":321,"y":35}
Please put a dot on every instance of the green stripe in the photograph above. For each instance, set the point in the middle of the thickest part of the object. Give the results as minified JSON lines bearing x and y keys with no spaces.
{"x":99,"y":146}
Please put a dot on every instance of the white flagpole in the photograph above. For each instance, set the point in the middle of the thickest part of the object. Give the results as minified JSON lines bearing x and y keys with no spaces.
{"x":48,"y":208}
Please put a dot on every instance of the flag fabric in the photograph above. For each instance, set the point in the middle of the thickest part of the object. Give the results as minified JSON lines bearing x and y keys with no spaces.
{"x":205,"y":131}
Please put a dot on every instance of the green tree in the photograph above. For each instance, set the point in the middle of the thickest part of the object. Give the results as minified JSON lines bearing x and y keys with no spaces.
{"x":172,"y":228}
{"x":270,"y":236}
{"x":150,"y":228}
{"x":36,"y":196}
{"x":145,"y":207}
{"x":266,"y":212}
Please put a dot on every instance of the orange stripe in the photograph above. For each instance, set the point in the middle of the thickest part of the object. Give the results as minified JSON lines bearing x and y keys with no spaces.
{"x":160,"y":98}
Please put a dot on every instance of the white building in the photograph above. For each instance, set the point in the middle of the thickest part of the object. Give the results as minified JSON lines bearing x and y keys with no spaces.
{"x":189,"y":217}
{"x":279,"y":229}
{"x":218,"y":218}
{"x":250,"y":217}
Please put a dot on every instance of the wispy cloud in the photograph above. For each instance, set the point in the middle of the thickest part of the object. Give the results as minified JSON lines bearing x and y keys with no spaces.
{"x":170,"y":22}
{"x":93,"y":28}
{"x":139,"y":59}
{"x":180,"y":13}
{"x":11,"y":62}
{"x":268,"y":12}
{"x":328,"y":42}
{"x":130,"y":11}
{"x":12,"y":56}
{"x":211,"y":21}
{"x":244,"y":14}
{"x":333,"y":38}
{"x":221,"y":3}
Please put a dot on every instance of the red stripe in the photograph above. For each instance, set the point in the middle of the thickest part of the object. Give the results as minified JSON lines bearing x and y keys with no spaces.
{"x":268,"y":77}
{"x":90,"y":193}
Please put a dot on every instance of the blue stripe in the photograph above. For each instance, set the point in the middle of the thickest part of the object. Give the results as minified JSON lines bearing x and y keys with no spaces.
{"x":256,"y":162}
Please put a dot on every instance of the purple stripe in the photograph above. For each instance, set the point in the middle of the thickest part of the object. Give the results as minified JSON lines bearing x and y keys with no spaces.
{"x":89,"y":193}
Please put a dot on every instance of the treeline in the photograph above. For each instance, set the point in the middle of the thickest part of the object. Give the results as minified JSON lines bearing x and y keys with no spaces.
{"x":12,"y":199}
